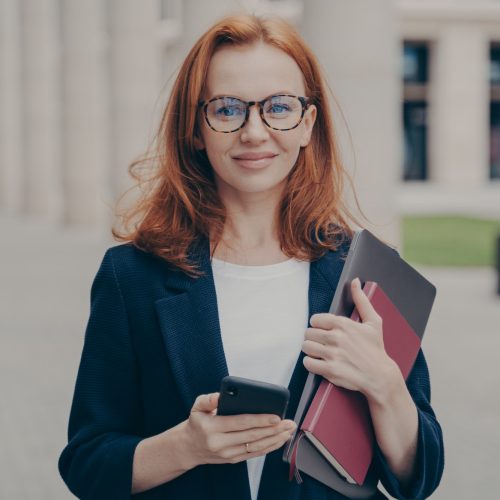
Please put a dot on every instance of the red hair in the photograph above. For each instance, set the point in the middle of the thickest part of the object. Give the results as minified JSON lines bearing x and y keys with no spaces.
{"x":179,"y":199}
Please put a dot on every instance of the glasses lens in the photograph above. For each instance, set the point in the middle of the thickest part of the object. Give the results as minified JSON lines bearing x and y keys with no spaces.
{"x":282,"y":112}
{"x":226,"y":114}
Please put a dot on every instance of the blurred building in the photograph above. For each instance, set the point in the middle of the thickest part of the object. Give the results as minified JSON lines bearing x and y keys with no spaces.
{"x":451,"y":106}
{"x":83,"y":83}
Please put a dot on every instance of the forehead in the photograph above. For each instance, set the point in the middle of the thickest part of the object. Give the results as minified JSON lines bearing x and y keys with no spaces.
{"x":252,"y":72}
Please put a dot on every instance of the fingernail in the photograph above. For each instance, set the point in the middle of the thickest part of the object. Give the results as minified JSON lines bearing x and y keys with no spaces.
{"x":274,"y":420}
{"x":356,"y":282}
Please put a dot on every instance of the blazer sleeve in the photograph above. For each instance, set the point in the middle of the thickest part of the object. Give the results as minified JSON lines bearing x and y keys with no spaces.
{"x":105,"y":413}
{"x":430,"y":448}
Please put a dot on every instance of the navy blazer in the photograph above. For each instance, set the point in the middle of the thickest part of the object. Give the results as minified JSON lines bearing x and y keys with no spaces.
{"x":152,"y":345}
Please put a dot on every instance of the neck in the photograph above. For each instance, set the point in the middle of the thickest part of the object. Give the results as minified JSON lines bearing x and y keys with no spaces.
{"x":250,"y":235}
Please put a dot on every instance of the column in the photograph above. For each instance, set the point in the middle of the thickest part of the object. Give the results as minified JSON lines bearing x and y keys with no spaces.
{"x":134,"y":72}
{"x":358,"y":47}
{"x":86,"y":114}
{"x":43,"y":187}
{"x":459,"y":106}
{"x":11,"y":163}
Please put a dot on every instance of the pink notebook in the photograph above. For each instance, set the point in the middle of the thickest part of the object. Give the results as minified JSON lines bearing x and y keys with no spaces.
{"x":338,"y":420}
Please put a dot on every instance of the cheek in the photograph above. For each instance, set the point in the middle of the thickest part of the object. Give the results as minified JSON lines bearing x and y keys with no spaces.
{"x":216,"y":146}
{"x":290,"y":144}
{"x":217,"y":151}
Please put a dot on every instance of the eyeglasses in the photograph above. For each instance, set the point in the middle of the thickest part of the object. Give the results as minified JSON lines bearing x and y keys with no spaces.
{"x":279,"y":112}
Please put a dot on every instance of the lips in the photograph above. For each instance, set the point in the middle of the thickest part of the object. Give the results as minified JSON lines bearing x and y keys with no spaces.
{"x":255,"y":156}
{"x":255,"y":160}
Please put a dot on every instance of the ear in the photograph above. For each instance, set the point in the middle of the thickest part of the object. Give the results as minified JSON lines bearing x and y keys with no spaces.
{"x":308,"y":120}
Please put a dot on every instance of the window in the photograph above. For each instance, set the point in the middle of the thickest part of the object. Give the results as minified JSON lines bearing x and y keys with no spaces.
{"x":415,"y":65}
{"x":415,"y":140}
{"x":415,"y":78}
{"x":495,"y":111}
{"x":495,"y":64}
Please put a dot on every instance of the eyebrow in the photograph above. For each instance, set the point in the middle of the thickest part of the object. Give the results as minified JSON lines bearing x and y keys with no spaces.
{"x":280,"y":92}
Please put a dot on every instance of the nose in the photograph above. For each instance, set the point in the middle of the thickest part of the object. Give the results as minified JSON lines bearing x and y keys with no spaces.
{"x":254,"y":130}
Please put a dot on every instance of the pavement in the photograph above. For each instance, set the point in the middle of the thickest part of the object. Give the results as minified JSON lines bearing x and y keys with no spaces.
{"x":45,"y":279}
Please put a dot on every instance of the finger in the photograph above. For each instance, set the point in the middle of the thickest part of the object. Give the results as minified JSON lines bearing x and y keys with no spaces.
{"x":326,"y":321}
{"x":240,"y":456}
{"x":257,"y":434}
{"x":362,"y":302}
{"x":264,"y":444}
{"x":269,"y":442}
{"x":317,"y":366}
{"x":206,"y":402}
{"x":232,"y":423}
{"x":324,"y":337}
{"x":314,"y":349}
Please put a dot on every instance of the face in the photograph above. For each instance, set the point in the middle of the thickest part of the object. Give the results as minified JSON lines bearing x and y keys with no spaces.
{"x":254,"y":161}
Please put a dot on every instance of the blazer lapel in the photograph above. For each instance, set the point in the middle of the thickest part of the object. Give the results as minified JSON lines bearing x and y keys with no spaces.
{"x":189,"y":323}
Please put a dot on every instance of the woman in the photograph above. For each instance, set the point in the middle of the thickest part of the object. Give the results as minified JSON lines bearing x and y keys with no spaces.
{"x":236,"y":248}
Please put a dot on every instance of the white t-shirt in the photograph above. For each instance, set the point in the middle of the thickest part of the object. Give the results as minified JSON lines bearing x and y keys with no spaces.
{"x":263,"y":314}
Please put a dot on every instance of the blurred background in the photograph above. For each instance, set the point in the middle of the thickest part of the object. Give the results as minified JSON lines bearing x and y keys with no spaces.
{"x":82,"y":86}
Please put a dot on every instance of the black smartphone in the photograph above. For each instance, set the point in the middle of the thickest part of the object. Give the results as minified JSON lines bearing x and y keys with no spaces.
{"x":242,"y":395}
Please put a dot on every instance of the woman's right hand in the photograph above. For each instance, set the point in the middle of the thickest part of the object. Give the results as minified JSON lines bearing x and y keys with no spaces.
{"x":217,"y":439}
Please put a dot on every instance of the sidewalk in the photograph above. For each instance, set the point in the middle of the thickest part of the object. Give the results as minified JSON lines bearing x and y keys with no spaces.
{"x":45,"y":279}
{"x":462,"y":345}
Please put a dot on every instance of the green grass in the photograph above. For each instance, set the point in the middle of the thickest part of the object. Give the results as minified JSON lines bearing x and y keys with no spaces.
{"x":450,"y":240}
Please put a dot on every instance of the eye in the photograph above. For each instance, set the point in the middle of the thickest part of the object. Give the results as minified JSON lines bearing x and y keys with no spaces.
{"x":227,"y":109}
{"x":278,"y":108}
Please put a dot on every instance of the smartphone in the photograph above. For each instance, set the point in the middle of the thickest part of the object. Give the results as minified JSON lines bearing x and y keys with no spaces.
{"x":242,"y":395}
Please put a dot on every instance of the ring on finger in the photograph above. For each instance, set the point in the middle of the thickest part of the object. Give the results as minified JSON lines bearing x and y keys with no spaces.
{"x":246,"y":446}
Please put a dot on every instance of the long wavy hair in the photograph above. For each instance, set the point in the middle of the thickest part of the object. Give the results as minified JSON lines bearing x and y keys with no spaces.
{"x":179,"y":201}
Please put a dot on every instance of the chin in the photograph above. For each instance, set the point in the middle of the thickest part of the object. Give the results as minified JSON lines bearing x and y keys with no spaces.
{"x":257,"y":184}
{"x":260,"y":187}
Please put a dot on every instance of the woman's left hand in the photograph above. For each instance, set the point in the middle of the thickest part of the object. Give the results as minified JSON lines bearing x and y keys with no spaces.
{"x":348,"y":353}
